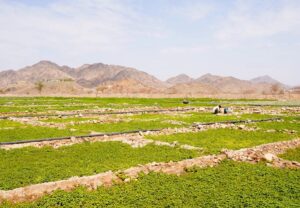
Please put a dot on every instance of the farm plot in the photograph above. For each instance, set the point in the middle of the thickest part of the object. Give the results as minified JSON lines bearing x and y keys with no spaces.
{"x":182,"y":145}
{"x":230,"y":184}
{"x":48,"y":105}
{"x":293,"y":155}
{"x":214,"y":140}
{"x":15,"y":131}
{"x":39,"y":128}
{"x":26,"y":166}
{"x":289,"y":124}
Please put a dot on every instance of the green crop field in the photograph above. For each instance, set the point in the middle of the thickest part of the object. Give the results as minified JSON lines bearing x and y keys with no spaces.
{"x":293,"y":155}
{"x":26,"y":166}
{"x":178,"y":137}
{"x":214,"y":140}
{"x":228,"y":185}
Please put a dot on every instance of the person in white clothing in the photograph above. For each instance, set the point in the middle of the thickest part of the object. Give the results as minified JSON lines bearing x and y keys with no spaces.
{"x":217,"y":109}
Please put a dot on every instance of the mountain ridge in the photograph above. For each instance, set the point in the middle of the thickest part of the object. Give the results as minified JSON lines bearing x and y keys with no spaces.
{"x":100,"y":77}
{"x":179,"y":79}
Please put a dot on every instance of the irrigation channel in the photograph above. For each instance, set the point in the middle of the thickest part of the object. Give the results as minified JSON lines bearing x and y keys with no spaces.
{"x":132,"y":132}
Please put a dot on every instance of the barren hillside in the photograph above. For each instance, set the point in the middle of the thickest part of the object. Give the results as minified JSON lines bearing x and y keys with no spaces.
{"x":48,"y":78}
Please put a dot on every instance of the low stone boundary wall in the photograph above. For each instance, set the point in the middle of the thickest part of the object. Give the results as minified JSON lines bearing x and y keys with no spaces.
{"x":253,"y":155}
{"x":266,"y":152}
{"x":132,"y":138}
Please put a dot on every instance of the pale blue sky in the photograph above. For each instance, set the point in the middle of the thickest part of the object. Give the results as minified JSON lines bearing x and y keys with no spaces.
{"x":242,"y":38}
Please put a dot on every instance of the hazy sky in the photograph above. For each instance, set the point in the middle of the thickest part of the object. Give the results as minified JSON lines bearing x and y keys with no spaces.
{"x":245,"y":38}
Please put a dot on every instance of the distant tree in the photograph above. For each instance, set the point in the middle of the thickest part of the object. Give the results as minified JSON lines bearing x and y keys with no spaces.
{"x":275,"y":89}
{"x":39,"y":86}
{"x":100,"y":89}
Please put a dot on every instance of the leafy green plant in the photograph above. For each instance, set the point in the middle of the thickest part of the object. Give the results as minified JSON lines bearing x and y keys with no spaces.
{"x":230,"y":184}
{"x":21,"y":167}
{"x":213,"y":140}
{"x":292,"y":154}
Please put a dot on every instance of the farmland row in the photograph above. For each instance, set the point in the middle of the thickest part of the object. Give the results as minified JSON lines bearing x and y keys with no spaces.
{"x":15,"y":131}
{"x":31,"y":165}
{"x":258,"y":153}
{"x":135,"y":137}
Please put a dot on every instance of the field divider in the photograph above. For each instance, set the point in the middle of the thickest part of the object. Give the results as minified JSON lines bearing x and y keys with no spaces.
{"x":265,"y":152}
{"x":238,"y":121}
{"x":140,"y":132}
{"x":80,"y":137}
{"x":102,"y":113}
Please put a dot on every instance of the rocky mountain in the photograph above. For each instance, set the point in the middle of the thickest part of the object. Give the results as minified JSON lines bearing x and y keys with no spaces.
{"x":126,"y":86}
{"x":92,"y":75}
{"x":213,"y":84}
{"x":192,"y":88}
{"x":139,"y":76}
{"x":49,"y":78}
{"x":264,"y":79}
{"x":180,"y":79}
{"x":85,"y":78}
{"x":42,"y":71}
{"x":8,"y":77}
{"x":227,"y":84}
{"x":208,"y":78}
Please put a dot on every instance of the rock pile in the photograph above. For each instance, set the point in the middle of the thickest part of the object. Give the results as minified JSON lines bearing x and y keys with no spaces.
{"x":265,"y":152}
{"x":265,"y":110}
{"x":34,"y":121}
{"x":134,"y":140}
{"x":229,"y":126}
{"x":135,"y":110}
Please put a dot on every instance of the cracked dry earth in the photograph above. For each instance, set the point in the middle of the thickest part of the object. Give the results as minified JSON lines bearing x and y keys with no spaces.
{"x":266,"y":152}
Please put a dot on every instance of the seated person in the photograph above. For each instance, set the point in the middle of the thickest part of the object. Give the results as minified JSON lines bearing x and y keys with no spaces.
{"x":217,"y":109}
